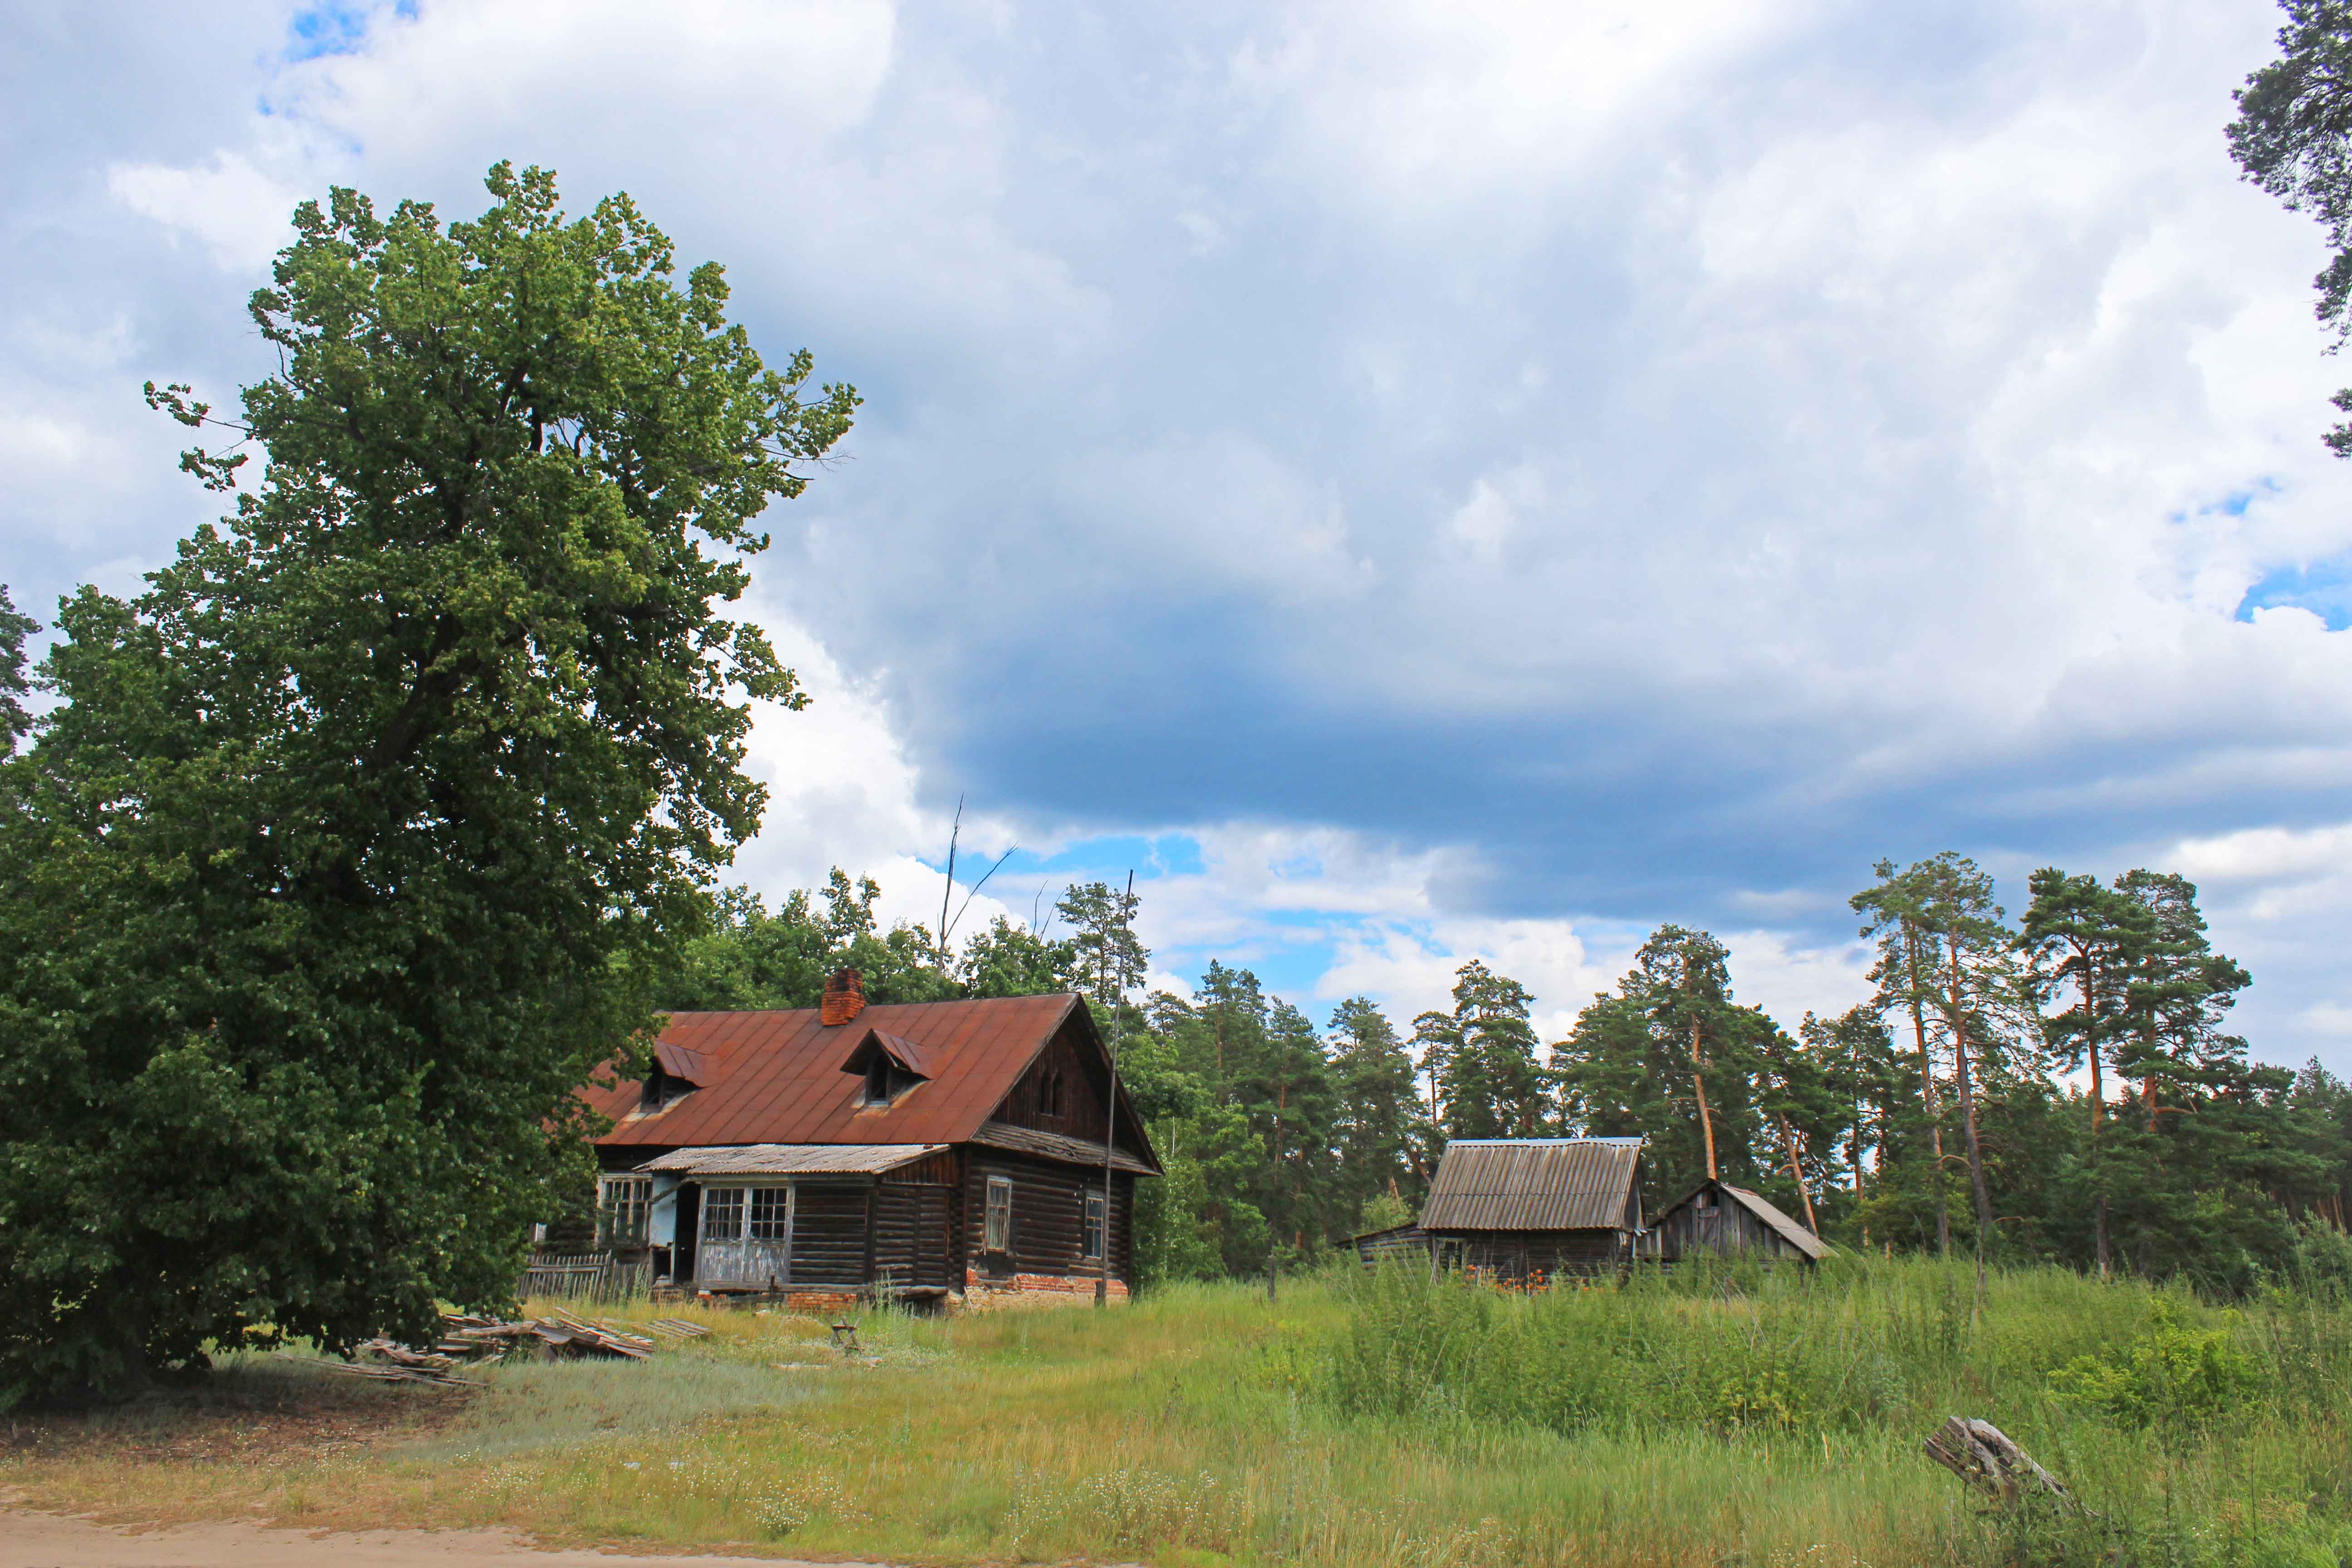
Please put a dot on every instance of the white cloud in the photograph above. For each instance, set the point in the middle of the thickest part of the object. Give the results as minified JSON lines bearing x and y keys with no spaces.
{"x":234,"y":210}
{"x":738,"y":83}
{"x":1429,"y":104}
{"x":1453,"y":445}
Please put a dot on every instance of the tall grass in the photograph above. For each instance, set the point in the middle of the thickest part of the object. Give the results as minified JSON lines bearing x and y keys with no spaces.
{"x":1738,"y":1416}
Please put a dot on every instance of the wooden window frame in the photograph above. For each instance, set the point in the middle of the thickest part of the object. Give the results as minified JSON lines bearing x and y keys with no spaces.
{"x":768,"y":1213}
{"x":728,"y":1202}
{"x":1094,"y":1227}
{"x":623,"y":1210}
{"x":996,"y":1221}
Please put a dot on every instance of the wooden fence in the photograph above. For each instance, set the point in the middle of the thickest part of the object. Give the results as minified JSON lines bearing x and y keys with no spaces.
{"x":588,"y":1276}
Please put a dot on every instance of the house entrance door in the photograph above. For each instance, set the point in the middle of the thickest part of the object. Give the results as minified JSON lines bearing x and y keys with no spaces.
{"x":747,"y":1237}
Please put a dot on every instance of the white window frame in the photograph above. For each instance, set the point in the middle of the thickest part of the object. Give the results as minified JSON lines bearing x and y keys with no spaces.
{"x":623,"y":1210}
{"x":1094,"y":1227}
{"x":728,"y":1202}
{"x":996,"y":1231}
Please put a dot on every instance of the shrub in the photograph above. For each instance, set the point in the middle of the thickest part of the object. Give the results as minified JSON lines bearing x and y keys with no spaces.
{"x":2173,"y":1373}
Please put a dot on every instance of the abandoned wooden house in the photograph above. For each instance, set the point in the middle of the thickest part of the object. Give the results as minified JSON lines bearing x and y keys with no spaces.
{"x":1525,"y":1211}
{"x":944,"y":1151}
{"x":1720,"y":1218}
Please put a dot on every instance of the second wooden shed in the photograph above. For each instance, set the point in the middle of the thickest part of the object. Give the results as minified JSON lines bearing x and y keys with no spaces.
{"x":1721,"y":1218}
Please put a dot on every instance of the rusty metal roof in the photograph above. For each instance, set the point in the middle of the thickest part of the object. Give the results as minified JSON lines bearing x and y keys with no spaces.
{"x":679,"y":1062}
{"x":792,"y":1158}
{"x":906,"y":1052}
{"x":1535,"y":1184}
{"x":776,"y":1078}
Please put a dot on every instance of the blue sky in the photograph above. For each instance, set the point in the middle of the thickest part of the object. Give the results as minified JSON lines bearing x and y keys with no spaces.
{"x":1414,"y":481}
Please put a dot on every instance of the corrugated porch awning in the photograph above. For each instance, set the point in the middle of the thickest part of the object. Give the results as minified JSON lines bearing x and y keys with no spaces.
{"x":791,"y":1158}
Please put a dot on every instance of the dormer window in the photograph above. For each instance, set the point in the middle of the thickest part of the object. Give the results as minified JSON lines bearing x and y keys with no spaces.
{"x":891,"y":1067}
{"x":886,"y":1081}
{"x":676,"y":1072}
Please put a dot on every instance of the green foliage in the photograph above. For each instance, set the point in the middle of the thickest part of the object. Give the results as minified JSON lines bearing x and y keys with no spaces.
{"x":1635,"y":1062}
{"x":2293,"y":137}
{"x":1180,"y":1233}
{"x":1858,"y":1354}
{"x":1381,"y":1132}
{"x":748,"y":958}
{"x":14,"y":685}
{"x":1105,"y":959}
{"x":1008,"y":960}
{"x":1482,"y":1057}
{"x":2173,"y":1374}
{"x":1711,"y":1350}
{"x":340,"y":863}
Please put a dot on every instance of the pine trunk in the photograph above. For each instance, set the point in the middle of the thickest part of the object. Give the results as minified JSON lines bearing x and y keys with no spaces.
{"x":1928,"y":1094}
{"x":1969,"y":1108}
{"x":1698,"y":1086}
{"x":2098,"y":1103}
{"x":1788,"y":1143}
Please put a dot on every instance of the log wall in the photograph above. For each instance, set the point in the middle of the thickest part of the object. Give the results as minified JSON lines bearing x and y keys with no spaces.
{"x":829,"y":1234}
{"x":1048,"y":1218}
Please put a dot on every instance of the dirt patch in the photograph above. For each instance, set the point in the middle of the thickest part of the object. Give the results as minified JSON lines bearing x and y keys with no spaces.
{"x":269,"y":1415}
{"x":49,"y":1540}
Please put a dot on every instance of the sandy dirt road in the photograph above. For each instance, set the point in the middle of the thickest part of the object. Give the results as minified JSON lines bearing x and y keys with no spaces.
{"x":49,"y":1540}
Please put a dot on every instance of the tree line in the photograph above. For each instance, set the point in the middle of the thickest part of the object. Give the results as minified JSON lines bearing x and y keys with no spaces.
{"x":2060,"y":1087}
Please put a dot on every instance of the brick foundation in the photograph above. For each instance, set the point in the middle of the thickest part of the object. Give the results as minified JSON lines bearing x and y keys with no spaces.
{"x":814,"y":1302}
{"x":1011,"y":1291}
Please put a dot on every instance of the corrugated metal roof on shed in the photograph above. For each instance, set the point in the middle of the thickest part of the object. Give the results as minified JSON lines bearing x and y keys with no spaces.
{"x":792,"y":1158}
{"x":1534,"y":1184}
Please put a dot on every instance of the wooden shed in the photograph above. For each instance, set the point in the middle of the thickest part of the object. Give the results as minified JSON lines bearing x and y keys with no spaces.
{"x":1732,"y":1221}
{"x":1524,"y":1211}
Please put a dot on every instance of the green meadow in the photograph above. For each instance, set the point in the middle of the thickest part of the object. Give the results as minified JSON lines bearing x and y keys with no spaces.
{"x":1738,"y":1416}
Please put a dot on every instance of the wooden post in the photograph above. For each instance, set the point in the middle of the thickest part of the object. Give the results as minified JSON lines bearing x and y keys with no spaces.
{"x":1110,"y":1114}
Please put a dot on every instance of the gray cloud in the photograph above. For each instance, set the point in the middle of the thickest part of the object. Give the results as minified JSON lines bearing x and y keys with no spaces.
{"x":1657,"y":460}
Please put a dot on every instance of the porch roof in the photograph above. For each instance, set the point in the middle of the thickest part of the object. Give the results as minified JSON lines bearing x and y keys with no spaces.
{"x":791,"y":1158}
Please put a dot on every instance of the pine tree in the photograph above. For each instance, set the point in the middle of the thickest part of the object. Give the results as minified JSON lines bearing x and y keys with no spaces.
{"x":1980,"y":992}
{"x":1481,"y":1059}
{"x":1382,"y":1132}
{"x":1905,"y":981}
{"x":2082,"y":936}
{"x":1111,"y":962}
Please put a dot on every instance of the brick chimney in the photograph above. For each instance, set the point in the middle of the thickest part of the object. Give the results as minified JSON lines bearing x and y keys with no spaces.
{"x":845,"y":998}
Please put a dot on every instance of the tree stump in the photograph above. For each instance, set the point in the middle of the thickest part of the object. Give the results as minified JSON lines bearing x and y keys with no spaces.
{"x":1981,"y":1455}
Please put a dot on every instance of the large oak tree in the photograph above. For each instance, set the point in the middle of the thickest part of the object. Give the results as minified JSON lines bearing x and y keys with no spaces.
{"x":343,"y":857}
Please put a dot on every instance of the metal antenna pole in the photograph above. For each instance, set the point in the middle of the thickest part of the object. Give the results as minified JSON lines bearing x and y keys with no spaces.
{"x":949,"y":891}
{"x":1111,"y":1108}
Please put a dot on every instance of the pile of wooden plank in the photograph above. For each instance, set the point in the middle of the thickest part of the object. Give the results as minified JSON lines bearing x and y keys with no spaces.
{"x":394,"y":1363}
{"x":566,"y":1335}
{"x":479,"y":1342}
